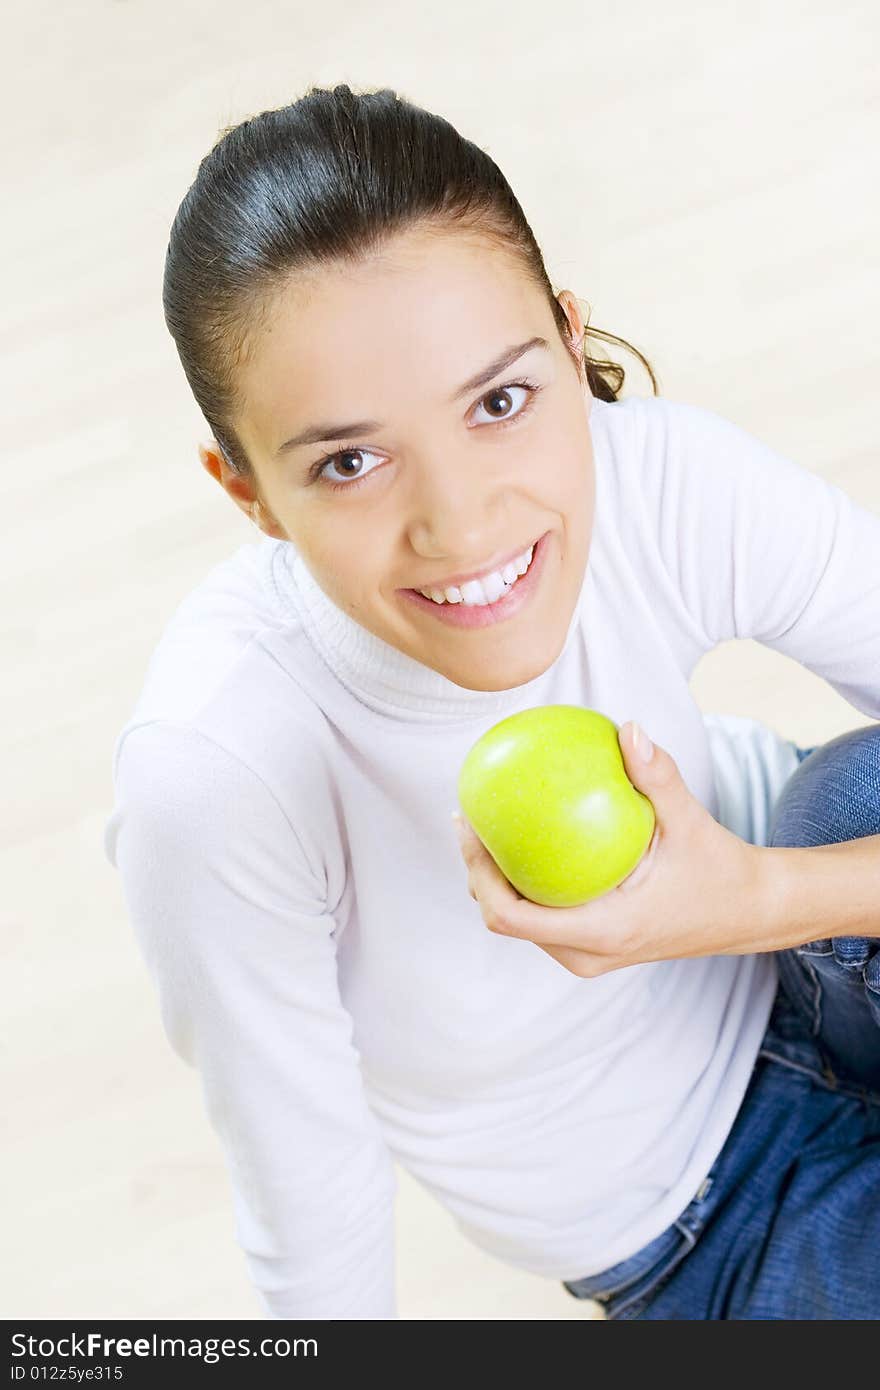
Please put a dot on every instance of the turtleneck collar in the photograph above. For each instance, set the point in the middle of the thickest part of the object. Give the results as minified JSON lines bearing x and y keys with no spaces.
{"x":378,"y":674}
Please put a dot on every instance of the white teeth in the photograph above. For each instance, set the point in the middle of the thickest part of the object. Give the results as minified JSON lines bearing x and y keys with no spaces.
{"x":486,"y":590}
{"x":482,"y":591}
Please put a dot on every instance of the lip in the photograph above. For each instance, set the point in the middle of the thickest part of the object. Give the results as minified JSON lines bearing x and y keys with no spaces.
{"x":457,"y":580}
{"x":487,"y":614}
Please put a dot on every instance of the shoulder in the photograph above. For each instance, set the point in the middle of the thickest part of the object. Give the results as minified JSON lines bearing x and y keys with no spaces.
{"x":189,"y":799}
{"x":635,"y":438}
{"x":685,"y":458}
{"x":643,"y":448}
{"x":658,"y":427}
{"x":218,"y":721}
{"x":208,"y":632}
{"x":210,"y":669}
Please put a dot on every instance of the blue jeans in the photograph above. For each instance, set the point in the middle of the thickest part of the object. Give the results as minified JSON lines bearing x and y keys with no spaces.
{"x":786,"y":1225}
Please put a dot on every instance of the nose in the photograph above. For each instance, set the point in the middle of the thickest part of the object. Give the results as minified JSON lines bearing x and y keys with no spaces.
{"x":458,"y":512}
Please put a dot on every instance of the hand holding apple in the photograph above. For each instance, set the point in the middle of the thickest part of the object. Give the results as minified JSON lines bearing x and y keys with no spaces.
{"x":698,"y":890}
{"x":547,"y":792}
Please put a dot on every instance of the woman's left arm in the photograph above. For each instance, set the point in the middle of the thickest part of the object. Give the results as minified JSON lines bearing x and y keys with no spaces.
{"x":823,"y":890}
{"x":699,"y":890}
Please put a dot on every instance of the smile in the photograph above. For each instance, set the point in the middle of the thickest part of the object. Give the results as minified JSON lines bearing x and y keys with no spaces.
{"x":493,"y":598}
{"x":488,"y":588}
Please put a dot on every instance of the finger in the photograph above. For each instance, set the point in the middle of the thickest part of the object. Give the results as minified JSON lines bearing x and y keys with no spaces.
{"x":644,"y":866}
{"x":486,"y":881}
{"x":506,"y":911}
{"x":580,"y":963}
{"x":589,"y":926}
{"x":657,"y":777}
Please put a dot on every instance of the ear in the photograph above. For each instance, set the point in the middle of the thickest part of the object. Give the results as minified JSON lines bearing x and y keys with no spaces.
{"x":571,"y":309}
{"x":576,"y":329}
{"x":241,"y":490}
{"x":212,"y":460}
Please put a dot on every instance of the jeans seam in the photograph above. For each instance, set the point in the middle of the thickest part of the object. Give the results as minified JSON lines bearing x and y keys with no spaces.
{"x":687,"y":1224}
{"x":816,"y":1002}
{"x":841,"y":1088}
{"x":627,"y":1282}
{"x":636,"y":1302}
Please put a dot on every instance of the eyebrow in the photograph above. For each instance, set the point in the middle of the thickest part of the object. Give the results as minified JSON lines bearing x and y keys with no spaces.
{"x":316,"y":434}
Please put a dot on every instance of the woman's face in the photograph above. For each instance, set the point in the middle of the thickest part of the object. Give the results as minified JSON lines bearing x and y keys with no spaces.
{"x":420,"y":468}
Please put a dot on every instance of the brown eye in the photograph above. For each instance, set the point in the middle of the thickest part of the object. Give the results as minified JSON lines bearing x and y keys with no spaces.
{"x":502,"y":395}
{"x":501,"y":403}
{"x":342,"y":461}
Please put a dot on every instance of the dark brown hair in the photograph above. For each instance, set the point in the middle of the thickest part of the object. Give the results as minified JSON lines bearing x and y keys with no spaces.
{"x":328,"y":178}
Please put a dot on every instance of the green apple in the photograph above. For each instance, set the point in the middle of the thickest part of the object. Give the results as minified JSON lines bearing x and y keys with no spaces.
{"x":546,"y":791}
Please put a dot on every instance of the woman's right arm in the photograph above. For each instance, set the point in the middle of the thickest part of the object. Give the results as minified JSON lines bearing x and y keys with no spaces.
{"x":236,"y":936}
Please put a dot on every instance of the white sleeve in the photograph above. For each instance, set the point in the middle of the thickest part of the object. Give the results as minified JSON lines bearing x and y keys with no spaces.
{"x":760,"y":547}
{"x":751,"y":764}
{"x":234,"y":931}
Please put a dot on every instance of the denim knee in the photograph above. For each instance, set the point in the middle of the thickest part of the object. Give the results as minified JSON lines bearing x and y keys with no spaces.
{"x":833,"y":795}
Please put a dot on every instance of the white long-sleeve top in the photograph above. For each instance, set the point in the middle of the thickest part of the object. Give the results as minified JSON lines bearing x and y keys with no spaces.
{"x":282,"y":830}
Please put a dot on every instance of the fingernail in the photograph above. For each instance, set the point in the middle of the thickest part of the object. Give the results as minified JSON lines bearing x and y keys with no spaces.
{"x":643,"y":745}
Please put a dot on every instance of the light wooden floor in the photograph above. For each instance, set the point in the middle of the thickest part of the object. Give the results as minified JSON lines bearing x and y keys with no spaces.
{"x":703,"y":176}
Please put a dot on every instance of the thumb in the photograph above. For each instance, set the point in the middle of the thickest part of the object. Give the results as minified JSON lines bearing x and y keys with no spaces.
{"x":653,"y":771}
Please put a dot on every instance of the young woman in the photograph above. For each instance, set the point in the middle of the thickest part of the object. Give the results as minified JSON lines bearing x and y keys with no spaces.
{"x":669,"y":1098}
